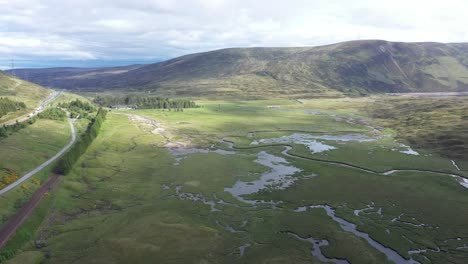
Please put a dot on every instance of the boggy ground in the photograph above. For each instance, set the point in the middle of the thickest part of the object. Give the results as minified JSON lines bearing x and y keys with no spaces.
{"x":166,"y":188}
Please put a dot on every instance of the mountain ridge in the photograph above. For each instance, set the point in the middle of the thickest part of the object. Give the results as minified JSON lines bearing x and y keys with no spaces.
{"x":354,"y":67}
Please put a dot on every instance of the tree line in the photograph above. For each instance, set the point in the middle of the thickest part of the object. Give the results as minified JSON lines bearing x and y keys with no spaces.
{"x":66,"y":162}
{"x":7,"y":105}
{"x":5,"y":130}
{"x":144,"y":102}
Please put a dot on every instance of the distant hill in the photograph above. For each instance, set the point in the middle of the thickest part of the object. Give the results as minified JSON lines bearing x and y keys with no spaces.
{"x":68,"y":77}
{"x":356,"y":67}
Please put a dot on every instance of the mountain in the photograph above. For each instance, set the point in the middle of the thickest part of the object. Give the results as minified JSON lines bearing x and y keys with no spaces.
{"x":355,"y":67}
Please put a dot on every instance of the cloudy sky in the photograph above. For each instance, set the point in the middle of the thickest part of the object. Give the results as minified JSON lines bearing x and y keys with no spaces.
{"x":47,"y":33}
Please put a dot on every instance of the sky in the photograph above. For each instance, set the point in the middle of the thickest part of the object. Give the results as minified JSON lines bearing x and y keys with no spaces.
{"x":92,"y":33}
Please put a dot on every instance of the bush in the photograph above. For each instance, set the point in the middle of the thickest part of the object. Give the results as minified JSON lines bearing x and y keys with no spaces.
{"x":78,"y":108}
{"x":53,"y":114}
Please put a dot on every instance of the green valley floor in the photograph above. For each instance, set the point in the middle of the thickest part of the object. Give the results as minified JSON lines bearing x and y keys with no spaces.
{"x":308,"y":181}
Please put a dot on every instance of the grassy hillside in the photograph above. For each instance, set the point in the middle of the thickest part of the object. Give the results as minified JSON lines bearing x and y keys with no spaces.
{"x":437,"y":124}
{"x":21,"y":91}
{"x":357,"y":67}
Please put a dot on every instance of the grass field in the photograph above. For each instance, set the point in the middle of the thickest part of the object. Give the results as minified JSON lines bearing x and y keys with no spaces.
{"x":132,"y":199}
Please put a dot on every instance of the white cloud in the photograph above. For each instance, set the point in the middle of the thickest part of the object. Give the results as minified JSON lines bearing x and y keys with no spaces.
{"x":37,"y":45}
{"x":122,"y":29}
{"x":117,"y":25}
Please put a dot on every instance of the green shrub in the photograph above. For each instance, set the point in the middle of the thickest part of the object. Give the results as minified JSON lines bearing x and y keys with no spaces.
{"x":78,"y":108}
{"x":53,"y":113}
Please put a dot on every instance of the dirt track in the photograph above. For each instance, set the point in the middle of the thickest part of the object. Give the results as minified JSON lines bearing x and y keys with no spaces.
{"x":16,"y":221}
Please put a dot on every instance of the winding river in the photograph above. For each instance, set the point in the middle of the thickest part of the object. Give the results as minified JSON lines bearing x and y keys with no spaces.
{"x":350,"y":227}
{"x":345,"y":225}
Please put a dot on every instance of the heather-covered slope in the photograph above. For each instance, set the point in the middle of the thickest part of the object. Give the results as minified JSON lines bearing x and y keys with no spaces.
{"x":355,"y":67}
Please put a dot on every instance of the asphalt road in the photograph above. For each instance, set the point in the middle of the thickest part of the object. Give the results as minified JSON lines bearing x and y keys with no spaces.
{"x":39,"y":109}
{"x":45,"y":164}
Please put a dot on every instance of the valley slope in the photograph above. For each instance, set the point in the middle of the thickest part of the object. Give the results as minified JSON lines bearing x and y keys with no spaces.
{"x":21,"y":91}
{"x":350,"y":68}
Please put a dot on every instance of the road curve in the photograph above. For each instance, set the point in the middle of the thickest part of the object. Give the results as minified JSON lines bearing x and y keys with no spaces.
{"x":45,"y":164}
